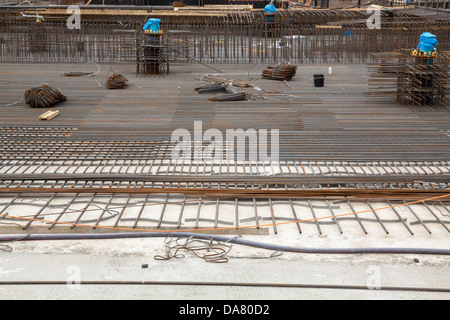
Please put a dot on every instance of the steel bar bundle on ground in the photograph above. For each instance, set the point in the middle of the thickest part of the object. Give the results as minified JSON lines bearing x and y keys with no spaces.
{"x":280,"y":72}
{"x":211,"y":88}
{"x":116,"y":81}
{"x":43,"y":97}
{"x":233,"y":94}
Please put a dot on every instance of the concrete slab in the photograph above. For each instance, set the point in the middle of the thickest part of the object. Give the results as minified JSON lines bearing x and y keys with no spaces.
{"x":248,"y":274}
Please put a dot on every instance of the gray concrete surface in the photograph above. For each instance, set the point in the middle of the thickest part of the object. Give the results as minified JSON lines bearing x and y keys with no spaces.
{"x":37,"y":262}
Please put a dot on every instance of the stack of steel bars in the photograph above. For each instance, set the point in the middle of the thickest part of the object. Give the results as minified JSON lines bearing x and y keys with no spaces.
{"x":116,"y":81}
{"x":43,"y":97}
{"x":282,"y":72}
{"x":211,"y":88}
{"x":233,"y":94}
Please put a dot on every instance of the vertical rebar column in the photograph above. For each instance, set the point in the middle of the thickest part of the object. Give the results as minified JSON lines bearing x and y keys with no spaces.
{"x":151,"y":56}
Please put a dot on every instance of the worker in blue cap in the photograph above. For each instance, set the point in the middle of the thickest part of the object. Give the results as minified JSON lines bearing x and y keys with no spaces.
{"x":152,"y":26}
{"x":427,"y":47}
{"x":428,"y":43}
{"x":270,"y":11}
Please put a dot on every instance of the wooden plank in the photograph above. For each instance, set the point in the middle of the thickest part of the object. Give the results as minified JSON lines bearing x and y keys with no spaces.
{"x":49,"y":115}
{"x":328,"y":27}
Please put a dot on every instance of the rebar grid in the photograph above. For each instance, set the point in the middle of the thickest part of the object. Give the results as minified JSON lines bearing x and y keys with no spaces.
{"x":231,"y":39}
{"x":414,"y":80}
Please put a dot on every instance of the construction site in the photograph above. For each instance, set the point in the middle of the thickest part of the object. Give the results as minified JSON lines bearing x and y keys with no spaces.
{"x":224,"y":150}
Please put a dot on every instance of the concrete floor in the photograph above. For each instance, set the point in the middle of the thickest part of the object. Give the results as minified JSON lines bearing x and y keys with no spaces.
{"x":121,"y":260}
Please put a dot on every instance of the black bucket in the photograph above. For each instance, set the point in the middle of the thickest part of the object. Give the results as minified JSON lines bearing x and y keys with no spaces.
{"x":319,"y":80}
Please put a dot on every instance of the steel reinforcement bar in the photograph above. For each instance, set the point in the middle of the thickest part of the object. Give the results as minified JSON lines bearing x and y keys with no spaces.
{"x":103,"y":41}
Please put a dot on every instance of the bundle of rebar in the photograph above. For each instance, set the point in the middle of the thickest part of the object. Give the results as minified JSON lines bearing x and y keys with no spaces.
{"x":43,"y":97}
{"x":211,"y":88}
{"x":222,"y":80}
{"x":179,"y":4}
{"x":78,"y":74}
{"x":281,"y":72}
{"x":234,"y":94}
{"x":116,"y":81}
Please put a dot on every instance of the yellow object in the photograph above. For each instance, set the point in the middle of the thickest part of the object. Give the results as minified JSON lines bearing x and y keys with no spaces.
{"x":151,"y":32}
{"x":418,"y":53}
